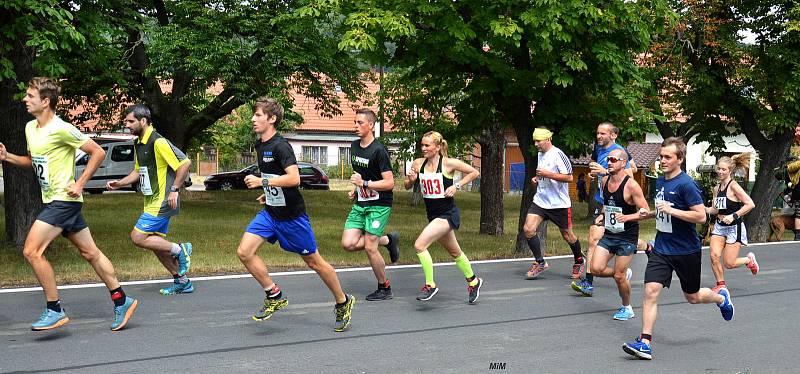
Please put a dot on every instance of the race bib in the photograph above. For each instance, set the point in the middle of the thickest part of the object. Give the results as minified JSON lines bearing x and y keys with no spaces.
{"x":721,"y":202}
{"x":274,"y":194}
{"x":611,"y":223}
{"x":42,"y":171}
{"x":144,"y":181}
{"x":366,"y":194}
{"x":663,"y":221}
{"x":432,"y":185}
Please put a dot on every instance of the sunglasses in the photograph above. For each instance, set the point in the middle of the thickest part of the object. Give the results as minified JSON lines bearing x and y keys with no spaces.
{"x":613,"y":159}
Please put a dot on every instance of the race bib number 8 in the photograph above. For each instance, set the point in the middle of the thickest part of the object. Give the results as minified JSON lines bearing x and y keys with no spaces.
{"x":432,"y":185}
{"x":144,"y":181}
{"x":40,"y":167}
{"x":611,"y":223}
{"x":274,"y":194}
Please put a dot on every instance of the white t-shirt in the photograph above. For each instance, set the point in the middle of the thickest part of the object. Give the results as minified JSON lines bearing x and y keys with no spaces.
{"x":552,"y":194}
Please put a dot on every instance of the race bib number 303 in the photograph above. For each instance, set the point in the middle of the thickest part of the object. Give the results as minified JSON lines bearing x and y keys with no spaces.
{"x":42,"y":170}
{"x":432,"y":185}
{"x":274,"y":194}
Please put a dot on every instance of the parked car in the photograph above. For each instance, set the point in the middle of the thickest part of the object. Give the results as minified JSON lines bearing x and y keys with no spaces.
{"x":311,"y":177}
{"x":117,"y":165}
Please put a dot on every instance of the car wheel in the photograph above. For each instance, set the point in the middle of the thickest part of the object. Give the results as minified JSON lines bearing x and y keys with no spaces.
{"x":226,"y":186}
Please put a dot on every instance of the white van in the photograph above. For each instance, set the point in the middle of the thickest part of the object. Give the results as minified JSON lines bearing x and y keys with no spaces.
{"x":118,"y":164}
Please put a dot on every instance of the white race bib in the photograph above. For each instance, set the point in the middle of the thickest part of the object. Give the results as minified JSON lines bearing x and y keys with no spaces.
{"x":721,"y":202}
{"x":144,"y":181}
{"x":432,"y":185}
{"x":40,"y":167}
{"x":663,"y":221}
{"x":366,"y":194}
{"x":611,"y":223}
{"x":274,"y":194}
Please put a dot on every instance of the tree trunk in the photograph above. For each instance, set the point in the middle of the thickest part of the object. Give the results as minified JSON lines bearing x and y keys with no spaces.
{"x":492,"y":144}
{"x":23,"y":199}
{"x":766,"y":187}
{"x":524,"y":132}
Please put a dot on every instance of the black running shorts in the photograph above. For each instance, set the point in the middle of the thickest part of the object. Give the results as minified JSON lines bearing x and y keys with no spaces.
{"x":64,"y":214}
{"x":687,"y":267}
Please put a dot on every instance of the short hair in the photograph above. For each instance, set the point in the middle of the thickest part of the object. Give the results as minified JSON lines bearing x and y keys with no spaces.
{"x":48,"y":89}
{"x":680,"y":146}
{"x":371,"y":117}
{"x":271,"y":107}
{"x":614,"y":129}
{"x":139,"y":111}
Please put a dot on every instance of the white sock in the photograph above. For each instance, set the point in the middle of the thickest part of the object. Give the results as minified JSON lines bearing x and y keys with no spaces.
{"x":176,"y":249}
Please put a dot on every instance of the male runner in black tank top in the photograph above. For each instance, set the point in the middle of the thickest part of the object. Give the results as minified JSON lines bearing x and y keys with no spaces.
{"x":623,"y":201}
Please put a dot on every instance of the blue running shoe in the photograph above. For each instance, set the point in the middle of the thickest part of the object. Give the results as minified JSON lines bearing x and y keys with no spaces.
{"x":49,"y":320}
{"x":177,"y":288}
{"x":184,"y":258}
{"x":726,"y":308}
{"x":639,"y":349}
{"x":624,"y":314}
{"x":123,"y":313}
{"x":583,"y":287}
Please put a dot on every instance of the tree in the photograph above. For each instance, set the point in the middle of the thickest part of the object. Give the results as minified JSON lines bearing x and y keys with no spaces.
{"x":565,"y":65}
{"x":724,"y":85}
{"x":29,"y":29}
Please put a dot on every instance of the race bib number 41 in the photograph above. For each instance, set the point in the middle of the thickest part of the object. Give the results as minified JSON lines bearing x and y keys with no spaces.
{"x":663,"y":221}
{"x":40,"y":167}
{"x":274,"y":194}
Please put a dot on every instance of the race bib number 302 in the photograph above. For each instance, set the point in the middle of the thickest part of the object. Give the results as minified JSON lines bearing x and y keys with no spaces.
{"x":40,"y":167}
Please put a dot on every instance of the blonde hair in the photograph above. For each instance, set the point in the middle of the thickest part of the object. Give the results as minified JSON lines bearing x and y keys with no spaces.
{"x":438,"y":140}
{"x":740,"y":161}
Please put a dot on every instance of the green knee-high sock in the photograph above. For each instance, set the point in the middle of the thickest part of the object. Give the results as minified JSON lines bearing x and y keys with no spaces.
{"x":427,"y":267}
{"x":466,"y":267}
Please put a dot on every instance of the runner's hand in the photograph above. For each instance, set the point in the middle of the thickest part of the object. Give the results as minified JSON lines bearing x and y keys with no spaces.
{"x":252,"y":181}
{"x":74,"y":190}
{"x":595,"y":168}
{"x":644,"y":212}
{"x":727,"y":219}
{"x":412,"y":175}
{"x":262,"y":199}
{"x":3,"y":152}
{"x":535,"y":180}
{"x":351,"y":195}
{"x":173,"y":200}
{"x":356,"y":180}
{"x":113,"y":185}
{"x":450,"y":191}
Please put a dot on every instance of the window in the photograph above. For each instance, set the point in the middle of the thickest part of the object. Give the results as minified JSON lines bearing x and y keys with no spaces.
{"x":307,"y":170}
{"x":317,"y":155}
{"x":122,"y":153}
{"x":344,"y":155}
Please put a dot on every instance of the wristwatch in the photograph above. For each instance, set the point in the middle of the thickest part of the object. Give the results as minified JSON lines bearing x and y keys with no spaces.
{"x":265,"y":182}
{"x":458,"y":185}
{"x":735,"y":216}
{"x":173,"y":189}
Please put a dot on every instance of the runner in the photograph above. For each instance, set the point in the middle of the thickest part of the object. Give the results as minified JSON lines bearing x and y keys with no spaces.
{"x":551,"y":202}
{"x":159,"y":165}
{"x":373,"y":181}
{"x":679,"y":207}
{"x":51,"y":144}
{"x":793,"y":168}
{"x":284,"y":217}
{"x":435,"y":175}
{"x":730,"y":204}
{"x":621,"y":198}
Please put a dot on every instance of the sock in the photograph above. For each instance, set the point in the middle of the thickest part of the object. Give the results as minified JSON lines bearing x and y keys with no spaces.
{"x":386,"y":284}
{"x":589,"y":278}
{"x":721,"y":283}
{"x":54,"y":306}
{"x":273,"y":292}
{"x":427,"y":267}
{"x":647,"y":336}
{"x":118,"y":296}
{"x":176,"y":249}
{"x":466,"y":267}
{"x":628,"y":307}
{"x":576,"y":251}
{"x":473,"y":280}
{"x":536,"y":248}
{"x":182,"y":279}
{"x":339,"y":305}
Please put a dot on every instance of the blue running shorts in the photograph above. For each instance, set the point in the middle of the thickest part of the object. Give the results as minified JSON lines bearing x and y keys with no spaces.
{"x":294,"y":235}
{"x":150,"y":224}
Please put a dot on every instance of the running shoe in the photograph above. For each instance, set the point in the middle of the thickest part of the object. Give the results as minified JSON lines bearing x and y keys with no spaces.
{"x":718,"y":287}
{"x":624,"y":314}
{"x":393,"y":246}
{"x":427,"y":292}
{"x":753,"y":265}
{"x":184,"y":258}
{"x":536,"y":269}
{"x":629,"y":274}
{"x":577,"y":269}
{"x":473,"y":292}
{"x":343,"y":314}
{"x":726,"y":308}
{"x":639,"y":349}
{"x":50,"y":319}
{"x":269,"y":308}
{"x":177,"y":287}
{"x":583,"y":287}
{"x":380,"y":294}
{"x":123,"y":313}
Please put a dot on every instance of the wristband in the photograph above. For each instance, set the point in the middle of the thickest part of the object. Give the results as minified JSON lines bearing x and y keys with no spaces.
{"x":735,"y":216}
{"x":174,"y":189}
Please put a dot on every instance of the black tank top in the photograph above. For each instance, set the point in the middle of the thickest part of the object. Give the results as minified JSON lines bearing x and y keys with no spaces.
{"x":617,"y":199}
{"x":430,"y":186}
{"x":726,"y":206}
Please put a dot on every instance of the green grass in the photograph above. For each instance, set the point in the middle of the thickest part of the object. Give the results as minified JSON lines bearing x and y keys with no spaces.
{"x":214,"y":223}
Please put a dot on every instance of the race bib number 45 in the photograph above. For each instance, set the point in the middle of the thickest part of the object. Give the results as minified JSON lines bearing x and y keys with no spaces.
{"x":40,"y":167}
{"x":274,"y":194}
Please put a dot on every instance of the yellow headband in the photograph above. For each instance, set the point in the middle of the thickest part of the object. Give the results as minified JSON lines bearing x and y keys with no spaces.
{"x":542,"y":133}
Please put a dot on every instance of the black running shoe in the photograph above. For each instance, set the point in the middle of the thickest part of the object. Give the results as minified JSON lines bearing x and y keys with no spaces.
{"x":426,"y":293}
{"x":473,"y":292}
{"x":393,"y":246}
{"x":380,"y":294}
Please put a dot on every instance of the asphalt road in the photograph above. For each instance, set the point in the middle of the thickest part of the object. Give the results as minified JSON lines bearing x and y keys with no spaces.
{"x":523,"y":326}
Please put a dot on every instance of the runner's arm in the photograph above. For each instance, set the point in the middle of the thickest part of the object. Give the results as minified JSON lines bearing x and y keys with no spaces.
{"x":742,"y":195}
{"x":468,"y":173}
{"x":20,"y":161}
{"x":695,"y":214}
{"x":385,"y":184}
{"x":413,"y":174}
{"x":126,"y":181}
